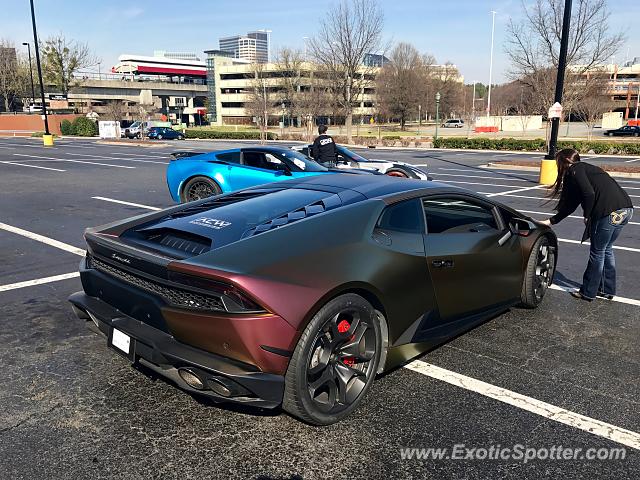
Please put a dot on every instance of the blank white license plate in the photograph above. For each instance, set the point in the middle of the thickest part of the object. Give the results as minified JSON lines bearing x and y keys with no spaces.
{"x":121,"y":341}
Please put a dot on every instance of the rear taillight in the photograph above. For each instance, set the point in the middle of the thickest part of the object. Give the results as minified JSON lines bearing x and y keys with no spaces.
{"x":234,"y":299}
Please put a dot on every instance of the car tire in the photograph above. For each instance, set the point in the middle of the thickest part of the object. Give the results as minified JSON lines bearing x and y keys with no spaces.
{"x":398,"y":172}
{"x":610,"y":134}
{"x":159,"y":137}
{"x":180,"y":137}
{"x":198,"y":188}
{"x":139,"y":136}
{"x":539,"y":272}
{"x":636,"y":134}
{"x":335,"y":361}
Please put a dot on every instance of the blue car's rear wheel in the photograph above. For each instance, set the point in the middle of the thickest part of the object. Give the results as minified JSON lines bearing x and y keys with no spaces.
{"x":198,"y":188}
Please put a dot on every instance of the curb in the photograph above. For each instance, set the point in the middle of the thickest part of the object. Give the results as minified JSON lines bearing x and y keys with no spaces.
{"x":127,"y":144}
{"x":494,"y":166}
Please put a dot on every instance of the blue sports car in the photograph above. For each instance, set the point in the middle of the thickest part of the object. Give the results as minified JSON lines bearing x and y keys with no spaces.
{"x":192,"y":176}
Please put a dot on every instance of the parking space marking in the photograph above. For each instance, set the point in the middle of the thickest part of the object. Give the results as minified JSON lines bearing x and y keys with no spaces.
{"x":486,"y":184}
{"x":550,"y":214}
{"x":118,"y":158}
{"x":122,"y":202}
{"x":38,"y":281}
{"x":77,"y":146}
{"x":586,"y":244}
{"x":552,"y":412}
{"x":628,"y":301}
{"x":528,"y":197}
{"x":632,"y":160}
{"x":31,"y":146}
{"x":41,"y":238}
{"x":514,"y":191}
{"x":480,"y":176}
{"x":52,"y":159}
{"x":34,"y":166}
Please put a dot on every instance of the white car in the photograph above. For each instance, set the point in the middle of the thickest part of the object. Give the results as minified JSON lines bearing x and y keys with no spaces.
{"x":454,"y":123}
{"x":348,"y":159}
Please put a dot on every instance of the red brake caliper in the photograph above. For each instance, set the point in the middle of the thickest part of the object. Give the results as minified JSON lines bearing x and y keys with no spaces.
{"x":343,"y":327}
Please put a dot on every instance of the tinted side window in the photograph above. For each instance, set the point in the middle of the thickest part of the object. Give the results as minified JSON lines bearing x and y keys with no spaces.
{"x":231,"y":157}
{"x":254,"y":159}
{"x":402,"y":217}
{"x":453,"y":215}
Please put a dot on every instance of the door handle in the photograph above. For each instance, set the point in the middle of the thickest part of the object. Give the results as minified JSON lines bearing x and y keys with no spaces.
{"x":447,"y":263}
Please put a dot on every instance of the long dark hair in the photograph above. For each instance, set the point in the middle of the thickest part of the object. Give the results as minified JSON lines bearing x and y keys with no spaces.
{"x":565,"y":158}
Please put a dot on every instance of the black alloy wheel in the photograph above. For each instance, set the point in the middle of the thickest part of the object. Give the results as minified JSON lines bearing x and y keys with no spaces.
{"x":335,"y":361}
{"x":198,"y":188}
{"x":539,"y":273}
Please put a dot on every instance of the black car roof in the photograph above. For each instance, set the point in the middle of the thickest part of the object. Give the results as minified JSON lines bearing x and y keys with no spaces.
{"x":370,"y":186}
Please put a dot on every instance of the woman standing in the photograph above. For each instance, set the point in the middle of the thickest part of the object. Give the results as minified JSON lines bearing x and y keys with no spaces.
{"x":606,"y":208}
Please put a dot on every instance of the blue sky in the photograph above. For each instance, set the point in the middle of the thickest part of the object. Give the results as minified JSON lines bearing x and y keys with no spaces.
{"x":453,"y":30}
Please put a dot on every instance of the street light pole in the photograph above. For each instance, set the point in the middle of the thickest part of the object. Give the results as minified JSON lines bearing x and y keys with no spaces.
{"x":35,"y":43}
{"x":33,"y":90}
{"x":473,"y":103}
{"x":437,"y":115}
{"x":562,"y":65}
{"x":637,"y":103}
{"x":493,"y":29}
{"x":419,"y":118}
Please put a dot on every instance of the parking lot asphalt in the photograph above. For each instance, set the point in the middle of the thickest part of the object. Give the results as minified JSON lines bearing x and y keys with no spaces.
{"x":564,"y":374}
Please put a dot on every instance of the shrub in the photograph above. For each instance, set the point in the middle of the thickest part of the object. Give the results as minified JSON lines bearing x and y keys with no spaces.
{"x":220,"y":134}
{"x":84,"y":127}
{"x":66,"y":128}
{"x":536,"y":145}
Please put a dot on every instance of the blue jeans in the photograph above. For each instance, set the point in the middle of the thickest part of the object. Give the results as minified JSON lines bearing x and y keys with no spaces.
{"x":600,"y":275}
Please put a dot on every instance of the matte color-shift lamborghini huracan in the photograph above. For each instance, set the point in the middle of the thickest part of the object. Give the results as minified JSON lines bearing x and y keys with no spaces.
{"x":299,"y":292}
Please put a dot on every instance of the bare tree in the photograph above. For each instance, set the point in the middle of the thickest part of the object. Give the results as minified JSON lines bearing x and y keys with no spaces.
{"x":260,"y":102}
{"x":347,"y":33}
{"x":62,"y":58}
{"x":11,"y":86}
{"x":595,"y":100}
{"x":116,"y":110}
{"x":399,"y":84}
{"x":533,"y":47}
{"x":292,"y":78}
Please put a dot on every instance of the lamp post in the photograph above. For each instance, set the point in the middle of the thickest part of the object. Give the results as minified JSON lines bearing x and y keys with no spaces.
{"x":493,"y":29}
{"x":419,"y":118}
{"x":48,"y":140}
{"x":283,"y":106}
{"x":33,"y":90}
{"x":437,"y":115}
{"x":562,"y":65}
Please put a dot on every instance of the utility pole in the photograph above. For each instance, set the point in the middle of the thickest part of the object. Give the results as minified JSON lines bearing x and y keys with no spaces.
{"x":33,"y":91}
{"x":637,"y":103}
{"x":437,"y":115}
{"x":35,"y":42}
{"x":493,"y":29}
{"x":562,"y":65}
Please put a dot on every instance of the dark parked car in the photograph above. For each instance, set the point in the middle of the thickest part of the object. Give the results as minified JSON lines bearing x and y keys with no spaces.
{"x":166,"y":133}
{"x":626,"y":131}
{"x":299,"y":292}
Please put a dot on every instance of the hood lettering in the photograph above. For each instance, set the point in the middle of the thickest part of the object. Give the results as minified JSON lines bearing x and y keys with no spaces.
{"x":207,"y":222}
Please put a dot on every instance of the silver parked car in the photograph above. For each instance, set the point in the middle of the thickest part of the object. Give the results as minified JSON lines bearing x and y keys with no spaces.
{"x":453,"y":123}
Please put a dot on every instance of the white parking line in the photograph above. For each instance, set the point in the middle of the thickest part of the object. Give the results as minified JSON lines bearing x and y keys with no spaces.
{"x":32,"y":146}
{"x":33,"y":166}
{"x":122,"y":202}
{"x":528,"y":197}
{"x":52,"y":159}
{"x":550,"y":214}
{"x":586,"y":244}
{"x":76,"y":146}
{"x":41,"y":238}
{"x":118,"y":158}
{"x":514,"y":191}
{"x":532,"y":405}
{"x":480,"y":176}
{"x":628,"y":301}
{"x":484,"y":184}
{"x":632,"y":160}
{"x":39,"y":281}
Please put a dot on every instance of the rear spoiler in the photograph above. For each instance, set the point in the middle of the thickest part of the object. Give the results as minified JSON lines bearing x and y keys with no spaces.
{"x":184,"y":154}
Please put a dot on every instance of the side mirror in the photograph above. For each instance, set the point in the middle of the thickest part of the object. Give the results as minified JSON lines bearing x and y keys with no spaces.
{"x":522,"y":227}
